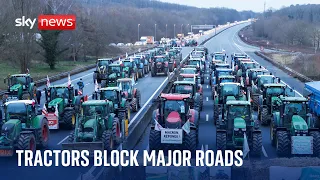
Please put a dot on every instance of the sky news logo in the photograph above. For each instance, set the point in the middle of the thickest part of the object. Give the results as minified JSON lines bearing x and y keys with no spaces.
{"x":49,"y":22}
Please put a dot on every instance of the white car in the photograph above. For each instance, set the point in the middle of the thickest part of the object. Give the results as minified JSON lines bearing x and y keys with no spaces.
{"x":129,"y":44}
{"x":112,"y":44}
{"x":138,"y":43}
{"x":120,"y":44}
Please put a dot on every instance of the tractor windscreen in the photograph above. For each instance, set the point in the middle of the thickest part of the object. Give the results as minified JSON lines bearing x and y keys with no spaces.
{"x":173,"y":105}
{"x":58,"y":93}
{"x":18,"y":80}
{"x":275,"y":91}
{"x":126,"y":86}
{"x":219,"y":57}
{"x":114,"y":69}
{"x":221,"y":73}
{"x":183,"y":89}
{"x":267,"y":80}
{"x":188,"y":79}
{"x":250,"y":65}
{"x":110,"y":95}
{"x":197,"y":63}
{"x":188,"y":71}
{"x":160,"y":60}
{"x":224,"y":80}
{"x":103,"y":63}
{"x":293,"y":108}
{"x":230,"y":90}
{"x":16,"y":109}
{"x":242,"y":111}
{"x":127,"y":64}
{"x":92,"y":110}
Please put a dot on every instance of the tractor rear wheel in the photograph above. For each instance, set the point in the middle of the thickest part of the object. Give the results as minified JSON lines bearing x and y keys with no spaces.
{"x":221,"y":141}
{"x":255,"y":103}
{"x":216,"y":114}
{"x":190,"y":141}
{"x":316,"y":143}
{"x":256,"y":144}
{"x":138,"y":96}
{"x":27,"y":142}
{"x":155,"y":140}
{"x":103,"y":83}
{"x":283,"y":143}
{"x":116,"y":130}
{"x":71,"y":137}
{"x":134,"y":104}
{"x":69,"y":119}
{"x":43,"y":134}
{"x":264,"y":116}
{"x":107,"y":140}
{"x":201,"y":102}
{"x":26,"y":96}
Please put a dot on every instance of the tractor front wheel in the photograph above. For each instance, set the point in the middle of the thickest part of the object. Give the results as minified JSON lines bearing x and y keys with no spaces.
{"x":116,"y":130}
{"x":134,"y":104}
{"x":256,"y":144}
{"x":216,"y":114}
{"x":221,"y":140}
{"x":107,"y":140}
{"x":264,"y":117}
{"x":190,"y":141}
{"x":71,"y":137}
{"x":43,"y":134}
{"x":154,"y":140}
{"x":316,"y":143}
{"x":27,"y":142}
{"x":283,"y":143}
{"x":69,"y":119}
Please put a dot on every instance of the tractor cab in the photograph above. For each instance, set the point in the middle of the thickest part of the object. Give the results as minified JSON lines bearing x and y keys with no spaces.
{"x":245,"y":66}
{"x":219,"y":56}
{"x":219,"y":72}
{"x":192,"y":78}
{"x":252,"y":75}
{"x":115,"y":71}
{"x":113,"y":94}
{"x":22,"y":110}
{"x":183,"y":87}
{"x":129,"y":65}
{"x":236,"y":56}
{"x":20,"y":86}
{"x":58,"y":93}
{"x":126,"y":85}
{"x":228,"y":91}
{"x":102,"y":65}
{"x":238,"y":62}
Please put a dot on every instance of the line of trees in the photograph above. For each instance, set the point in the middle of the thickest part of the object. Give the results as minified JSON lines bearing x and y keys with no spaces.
{"x":99,"y":22}
{"x":297,"y":25}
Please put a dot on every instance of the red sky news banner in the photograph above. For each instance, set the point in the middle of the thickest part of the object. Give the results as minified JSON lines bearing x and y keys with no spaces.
{"x":49,"y":22}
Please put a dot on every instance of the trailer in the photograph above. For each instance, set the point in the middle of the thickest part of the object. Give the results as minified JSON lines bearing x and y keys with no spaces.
{"x":312,"y":92}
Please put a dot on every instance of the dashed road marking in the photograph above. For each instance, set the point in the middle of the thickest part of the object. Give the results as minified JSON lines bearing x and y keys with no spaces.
{"x":207,"y":77}
{"x":264,"y":152}
{"x":207,"y":99}
{"x":62,"y":140}
{"x":207,"y":86}
{"x":207,"y":117}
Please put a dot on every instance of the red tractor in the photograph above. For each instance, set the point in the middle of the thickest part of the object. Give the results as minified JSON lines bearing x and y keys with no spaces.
{"x":175,"y":123}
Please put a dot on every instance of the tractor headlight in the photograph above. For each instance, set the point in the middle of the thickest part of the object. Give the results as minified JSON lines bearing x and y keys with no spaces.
{"x":236,"y":129}
{"x":115,"y":105}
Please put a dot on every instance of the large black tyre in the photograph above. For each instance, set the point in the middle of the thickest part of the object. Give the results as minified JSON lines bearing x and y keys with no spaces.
{"x":107,"y":140}
{"x":256,"y":148}
{"x":216,"y":112}
{"x":154,"y":140}
{"x":140,"y":73}
{"x":116,"y":130}
{"x":69,"y":119}
{"x":283,"y":143}
{"x":4,"y":99}
{"x":265,"y":118}
{"x":26,"y":96}
{"x":43,"y":134}
{"x":202,"y":80}
{"x":221,"y":141}
{"x":134,"y":104}
{"x":316,"y":143}
{"x":103,"y":83}
{"x":138,"y":96}
{"x":153,"y":74}
{"x":190,"y":141}
{"x":255,"y":100}
{"x":71,"y":137}
{"x":27,"y":142}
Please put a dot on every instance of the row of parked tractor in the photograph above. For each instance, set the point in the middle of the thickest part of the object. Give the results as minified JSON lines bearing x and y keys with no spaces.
{"x":242,"y":87}
{"x":97,"y":122}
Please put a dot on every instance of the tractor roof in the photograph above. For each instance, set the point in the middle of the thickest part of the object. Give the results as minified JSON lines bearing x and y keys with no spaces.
{"x":290,"y":99}
{"x":235,"y":102}
{"x":274,"y":85}
{"x":227,"y":77}
{"x":265,"y":75}
{"x":195,"y":59}
{"x":60,"y":86}
{"x":124,"y":79}
{"x":189,"y":75}
{"x":110,"y":89}
{"x":244,"y":59}
{"x":248,"y":62}
{"x":217,"y":61}
{"x":20,"y":75}
{"x":28,"y":102}
{"x":189,"y":68}
{"x":222,"y":64}
{"x":219,"y":53}
{"x":229,"y":83}
{"x":115,"y":65}
{"x":175,"y":96}
{"x":105,"y":59}
{"x":184,"y":82}
{"x":95,"y":103}
{"x":258,"y":70}
{"x":239,"y":54}
{"x":160,"y":56}
{"x":223,"y":69}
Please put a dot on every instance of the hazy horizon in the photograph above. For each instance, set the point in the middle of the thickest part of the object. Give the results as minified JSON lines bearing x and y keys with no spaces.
{"x":254,"y":5}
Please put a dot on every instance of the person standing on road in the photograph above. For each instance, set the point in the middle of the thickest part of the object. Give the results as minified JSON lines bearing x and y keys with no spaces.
{"x":81,"y":85}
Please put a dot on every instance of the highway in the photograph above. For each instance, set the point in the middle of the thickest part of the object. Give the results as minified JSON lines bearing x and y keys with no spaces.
{"x":227,"y":40}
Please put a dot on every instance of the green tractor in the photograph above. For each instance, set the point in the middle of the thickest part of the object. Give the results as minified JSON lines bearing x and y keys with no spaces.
{"x":226,"y":92}
{"x":20,"y":87}
{"x":120,"y":105}
{"x":130,"y":69}
{"x":115,"y":71}
{"x":22,"y":128}
{"x":101,"y":72}
{"x":130,"y":93}
{"x":236,"y":122}
{"x":269,"y":99}
{"x":292,"y":127}
{"x":96,"y":128}
{"x":62,"y":103}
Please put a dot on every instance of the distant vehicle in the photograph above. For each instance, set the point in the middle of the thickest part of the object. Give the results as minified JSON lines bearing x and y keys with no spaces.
{"x":120,"y":44}
{"x":129,"y":44}
{"x":180,"y":36}
{"x":112,"y":44}
{"x":138,"y":43}
{"x":147,"y":39}
{"x":201,"y":32}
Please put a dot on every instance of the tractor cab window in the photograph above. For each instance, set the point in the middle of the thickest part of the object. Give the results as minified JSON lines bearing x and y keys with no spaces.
{"x":174,"y":106}
{"x":224,"y":80}
{"x":59,"y":93}
{"x":239,"y":111}
{"x":16,"y":111}
{"x":266,"y":80}
{"x":92,"y":110}
{"x":127,"y":63}
{"x":183,"y":89}
{"x":160,"y":60}
{"x":275,"y":91}
{"x":197,"y":63}
{"x":188,"y":79}
{"x":126,"y":86}
{"x":188,"y":71}
{"x":221,"y":73}
{"x":103,"y":63}
{"x":295,"y":109}
{"x":219,"y":57}
{"x":249,"y":65}
{"x":110,"y":95}
{"x":114,"y":69}
{"x":18,"y":80}
{"x":230,"y":90}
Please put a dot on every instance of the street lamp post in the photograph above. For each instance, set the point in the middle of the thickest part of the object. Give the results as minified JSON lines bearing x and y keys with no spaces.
{"x":155,"y":32}
{"x":174,"y":30}
{"x":166,"y":30}
{"x":138,"y":32}
{"x":181,"y":28}
{"x":187,"y":27}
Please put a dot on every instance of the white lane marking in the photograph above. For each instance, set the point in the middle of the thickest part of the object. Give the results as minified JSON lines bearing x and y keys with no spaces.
{"x":264,"y":152}
{"x":207,"y":99}
{"x":63,"y":140}
{"x":207,"y":77}
{"x":207,"y":86}
{"x":262,"y":66}
{"x":207,"y":117}
{"x":146,"y":76}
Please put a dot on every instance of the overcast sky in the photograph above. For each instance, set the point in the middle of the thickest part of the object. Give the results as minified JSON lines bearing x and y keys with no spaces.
{"x":254,"y":5}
